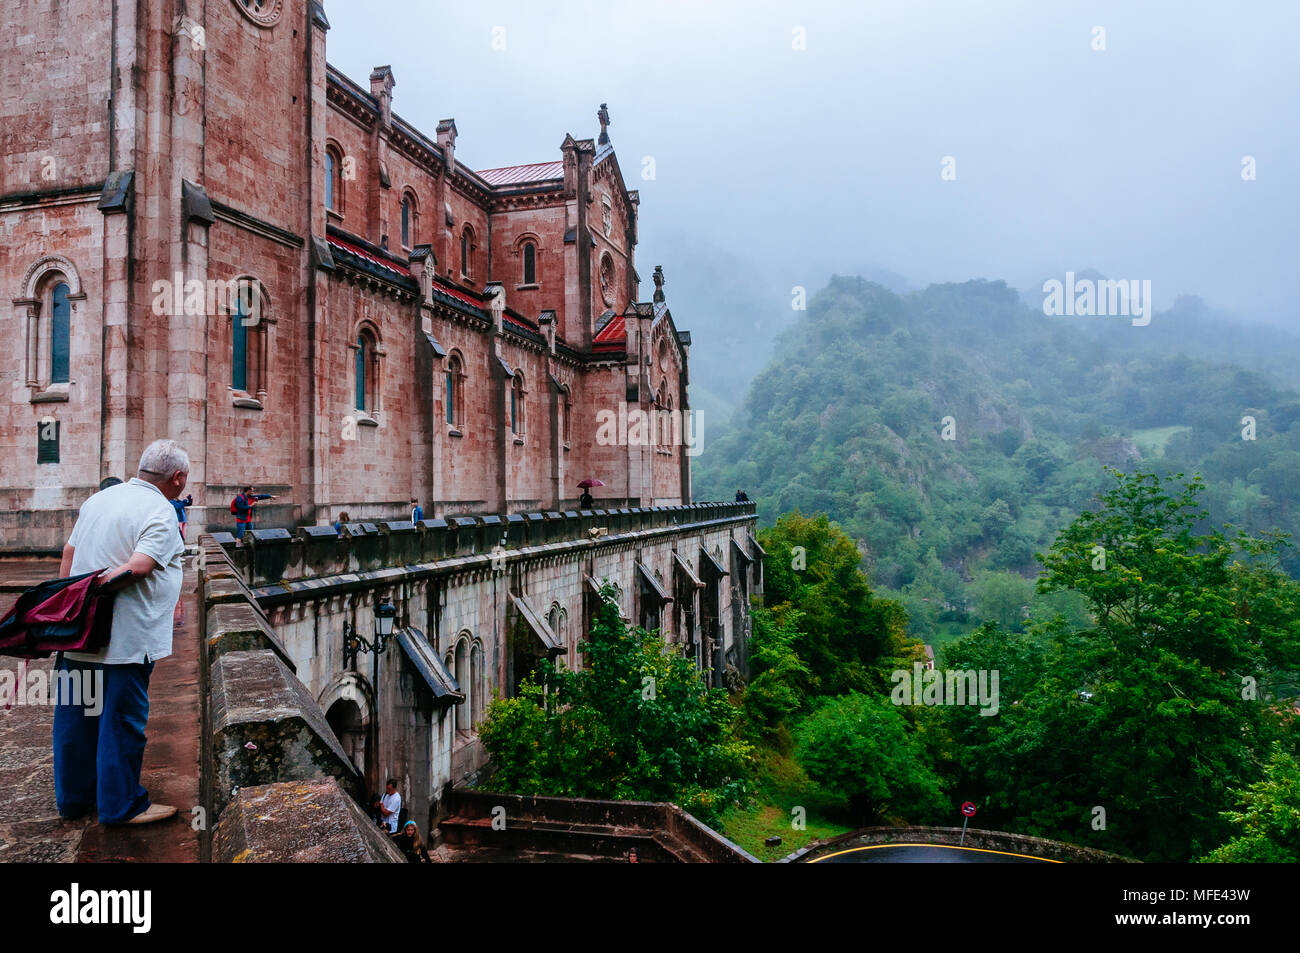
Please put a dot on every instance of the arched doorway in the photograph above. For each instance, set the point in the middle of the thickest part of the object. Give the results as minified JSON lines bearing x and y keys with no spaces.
{"x":349,"y":707}
{"x":344,"y":718}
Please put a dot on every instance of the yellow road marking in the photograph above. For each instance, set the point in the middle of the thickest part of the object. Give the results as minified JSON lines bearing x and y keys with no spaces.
{"x":981,"y":850}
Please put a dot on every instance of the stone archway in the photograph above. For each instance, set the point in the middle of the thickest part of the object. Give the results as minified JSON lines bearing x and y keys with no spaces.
{"x":344,"y":718}
{"x":349,"y":710}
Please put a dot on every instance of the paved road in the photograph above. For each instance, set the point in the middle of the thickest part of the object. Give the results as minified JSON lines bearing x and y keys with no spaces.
{"x":925,"y":854}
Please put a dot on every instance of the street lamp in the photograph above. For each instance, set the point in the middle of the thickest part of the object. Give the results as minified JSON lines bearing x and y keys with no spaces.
{"x":354,"y":643}
{"x":385,"y":613}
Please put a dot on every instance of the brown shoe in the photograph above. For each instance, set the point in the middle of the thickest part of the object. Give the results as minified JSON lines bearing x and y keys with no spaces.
{"x":154,"y":812}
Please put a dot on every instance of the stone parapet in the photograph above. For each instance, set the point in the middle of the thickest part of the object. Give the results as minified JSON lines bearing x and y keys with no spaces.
{"x":269,"y":558}
{"x":276,"y":781}
{"x":266,"y":727}
{"x":299,"y":822}
{"x":951,"y":837}
{"x":582,"y":827}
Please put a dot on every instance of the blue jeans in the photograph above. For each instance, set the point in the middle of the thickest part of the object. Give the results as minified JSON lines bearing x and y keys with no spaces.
{"x":97,"y":757}
{"x":241,"y":527}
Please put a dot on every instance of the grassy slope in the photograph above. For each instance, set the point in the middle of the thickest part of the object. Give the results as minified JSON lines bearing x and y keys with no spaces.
{"x":782,"y":787}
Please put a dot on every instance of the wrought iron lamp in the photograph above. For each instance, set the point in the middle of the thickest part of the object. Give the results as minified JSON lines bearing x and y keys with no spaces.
{"x":354,"y":643}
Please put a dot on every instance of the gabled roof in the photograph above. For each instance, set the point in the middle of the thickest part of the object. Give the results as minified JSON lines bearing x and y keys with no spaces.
{"x":523,"y":174}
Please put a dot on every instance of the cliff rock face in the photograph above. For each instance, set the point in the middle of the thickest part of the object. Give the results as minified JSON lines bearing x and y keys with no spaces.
{"x":1116,"y":451}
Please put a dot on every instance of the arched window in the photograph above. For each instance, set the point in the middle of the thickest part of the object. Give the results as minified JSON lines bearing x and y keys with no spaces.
{"x":476,"y":680}
{"x":239,"y":348}
{"x":607,"y":280}
{"x":467,"y":249}
{"x":364,"y":347}
{"x":466,"y":684}
{"x":674,"y":430}
{"x":452,"y":391}
{"x":60,"y":334}
{"x":410,"y":214}
{"x":568,"y":417}
{"x":456,"y":716}
{"x":530,"y":263}
{"x":333,"y":180}
{"x":249,"y":308}
{"x":562,"y":410}
{"x":558,"y":619}
{"x":517,"y":404}
{"x":47,"y":306}
{"x":367,"y":372}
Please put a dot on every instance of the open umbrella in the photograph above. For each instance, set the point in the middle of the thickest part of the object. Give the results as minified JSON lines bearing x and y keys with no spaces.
{"x":588,"y":484}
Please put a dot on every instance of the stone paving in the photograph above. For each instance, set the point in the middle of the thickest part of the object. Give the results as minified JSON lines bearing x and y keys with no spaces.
{"x":30,"y":827}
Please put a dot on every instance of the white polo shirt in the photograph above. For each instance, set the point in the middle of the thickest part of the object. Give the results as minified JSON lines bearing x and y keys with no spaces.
{"x":132,"y":517}
{"x":392,"y":802}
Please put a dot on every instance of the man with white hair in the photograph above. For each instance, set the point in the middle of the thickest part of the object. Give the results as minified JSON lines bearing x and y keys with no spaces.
{"x":128,"y":527}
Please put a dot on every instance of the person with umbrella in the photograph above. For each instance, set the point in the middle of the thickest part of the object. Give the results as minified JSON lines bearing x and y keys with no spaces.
{"x":587,"y":501}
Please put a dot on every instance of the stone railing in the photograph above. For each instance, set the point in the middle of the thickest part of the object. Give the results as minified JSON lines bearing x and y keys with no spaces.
{"x":581,"y":826}
{"x":275,"y":781}
{"x":952,"y":837}
{"x":267,"y":557}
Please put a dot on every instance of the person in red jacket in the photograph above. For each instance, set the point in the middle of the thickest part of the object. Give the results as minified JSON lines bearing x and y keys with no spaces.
{"x":242,"y":506}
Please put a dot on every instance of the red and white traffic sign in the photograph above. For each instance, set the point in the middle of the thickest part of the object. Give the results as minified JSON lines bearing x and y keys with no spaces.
{"x":968,"y":809}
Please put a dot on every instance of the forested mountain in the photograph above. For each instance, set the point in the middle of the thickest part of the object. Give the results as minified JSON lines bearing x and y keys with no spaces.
{"x":954,"y":431}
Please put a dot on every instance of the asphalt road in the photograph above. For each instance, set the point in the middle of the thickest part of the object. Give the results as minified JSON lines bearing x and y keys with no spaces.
{"x":925,"y":854}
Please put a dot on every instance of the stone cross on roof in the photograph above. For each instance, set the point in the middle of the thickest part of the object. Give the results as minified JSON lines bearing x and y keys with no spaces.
{"x":603,"y":115}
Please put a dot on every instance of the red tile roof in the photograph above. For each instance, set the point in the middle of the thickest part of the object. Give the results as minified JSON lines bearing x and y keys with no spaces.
{"x":386,"y":263}
{"x":470,"y":298}
{"x":519,"y":174}
{"x":457,"y":293}
{"x":613,"y":334}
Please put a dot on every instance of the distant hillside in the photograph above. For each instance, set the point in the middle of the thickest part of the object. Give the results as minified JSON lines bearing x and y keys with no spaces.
{"x":849,"y":418}
{"x":1194,"y":329}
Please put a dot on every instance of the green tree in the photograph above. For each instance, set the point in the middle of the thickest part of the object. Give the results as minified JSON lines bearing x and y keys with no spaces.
{"x":779,"y":680}
{"x":846,"y":634}
{"x":1269,"y":822}
{"x":1156,"y":711}
{"x":1001,"y":597}
{"x":861,"y":748}
{"x":635,"y":723}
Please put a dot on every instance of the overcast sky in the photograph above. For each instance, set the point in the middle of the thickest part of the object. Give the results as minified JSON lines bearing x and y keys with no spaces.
{"x":794,"y":163}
